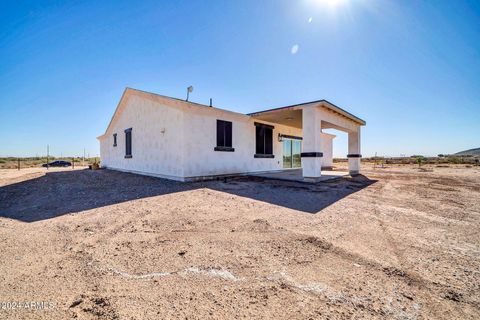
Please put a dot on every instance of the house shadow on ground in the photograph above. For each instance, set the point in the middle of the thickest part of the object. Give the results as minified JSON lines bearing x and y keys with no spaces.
{"x":64,"y":192}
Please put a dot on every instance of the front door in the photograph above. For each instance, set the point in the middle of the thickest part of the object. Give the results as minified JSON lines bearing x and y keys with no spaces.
{"x":291,"y":153}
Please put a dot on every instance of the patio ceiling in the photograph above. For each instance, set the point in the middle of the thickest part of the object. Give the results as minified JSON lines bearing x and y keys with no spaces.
{"x":287,"y":117}
{"x":290,"y":117}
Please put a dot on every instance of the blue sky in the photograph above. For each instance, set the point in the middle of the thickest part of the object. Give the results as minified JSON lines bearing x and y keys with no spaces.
{"x":411,"y":69}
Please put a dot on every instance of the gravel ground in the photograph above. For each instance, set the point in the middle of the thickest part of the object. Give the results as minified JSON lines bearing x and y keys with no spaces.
{"x":396,"y":243}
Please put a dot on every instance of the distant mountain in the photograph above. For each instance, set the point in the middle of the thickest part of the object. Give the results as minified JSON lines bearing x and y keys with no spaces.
{"x":470,"y":152}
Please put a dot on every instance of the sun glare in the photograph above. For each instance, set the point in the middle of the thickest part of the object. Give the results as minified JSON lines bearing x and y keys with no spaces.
{"x":333,"y":3}
{"x":330,"y":3}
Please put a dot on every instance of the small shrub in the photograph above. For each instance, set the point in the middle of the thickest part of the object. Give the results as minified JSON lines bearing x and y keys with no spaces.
{"x":455,"y":160}
{"x":420,"y":160}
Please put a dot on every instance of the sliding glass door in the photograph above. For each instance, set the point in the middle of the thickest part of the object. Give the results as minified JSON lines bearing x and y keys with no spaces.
{"x":296,"y":150}
{"x":287,"y":153}
{"x":291,"y":153}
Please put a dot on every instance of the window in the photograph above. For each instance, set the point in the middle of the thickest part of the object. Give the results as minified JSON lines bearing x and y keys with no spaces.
{"x":128,"y":143}
{"x":263,"y":140}
{"x":114,"y":139}
{"x":224,"y":136}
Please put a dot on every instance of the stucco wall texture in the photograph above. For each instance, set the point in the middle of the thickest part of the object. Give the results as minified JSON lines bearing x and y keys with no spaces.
{"x":176,"y":140}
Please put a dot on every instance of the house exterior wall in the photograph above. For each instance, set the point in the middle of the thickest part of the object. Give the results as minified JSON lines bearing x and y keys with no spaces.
{"x":177,"y":141}
{"x":200,"y":140}
{"x":157,"y":137}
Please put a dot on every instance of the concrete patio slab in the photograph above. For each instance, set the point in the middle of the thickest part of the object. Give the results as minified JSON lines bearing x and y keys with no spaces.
{"x":296,"y":175}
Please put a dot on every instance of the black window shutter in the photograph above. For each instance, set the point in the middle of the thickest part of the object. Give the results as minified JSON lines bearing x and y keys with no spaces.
{"x":228,"y":134}
{"x":268,"y":141}
{"x":220,"y":133}
{"x":128,"y":143}
{"x":259,"y":140}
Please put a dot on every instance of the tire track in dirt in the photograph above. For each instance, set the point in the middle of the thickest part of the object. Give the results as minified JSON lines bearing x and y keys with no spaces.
{"x":396,"y":309}
{"x":388,"y":237}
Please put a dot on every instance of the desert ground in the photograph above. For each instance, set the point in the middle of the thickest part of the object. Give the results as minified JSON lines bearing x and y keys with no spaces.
{"x":393,"y":243}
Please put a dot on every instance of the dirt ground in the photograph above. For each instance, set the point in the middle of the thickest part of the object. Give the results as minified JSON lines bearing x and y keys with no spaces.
{"x":396,"y":243}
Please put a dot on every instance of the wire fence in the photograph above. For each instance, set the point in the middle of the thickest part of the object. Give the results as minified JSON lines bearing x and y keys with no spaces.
{"x":47,"y":162}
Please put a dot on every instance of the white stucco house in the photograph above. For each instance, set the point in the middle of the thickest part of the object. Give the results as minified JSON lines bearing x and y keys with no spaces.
{"x":175,"y":139}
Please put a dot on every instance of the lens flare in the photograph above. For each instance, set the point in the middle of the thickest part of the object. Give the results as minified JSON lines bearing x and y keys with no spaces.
{"x":294,"y":49}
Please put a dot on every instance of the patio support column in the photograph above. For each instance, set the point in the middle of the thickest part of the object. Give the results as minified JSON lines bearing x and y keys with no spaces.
{"x":311,"y":144}
{"x":354,"y":155}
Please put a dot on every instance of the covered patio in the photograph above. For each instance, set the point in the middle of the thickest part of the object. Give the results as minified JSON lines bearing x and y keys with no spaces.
{"x":312,"y":118}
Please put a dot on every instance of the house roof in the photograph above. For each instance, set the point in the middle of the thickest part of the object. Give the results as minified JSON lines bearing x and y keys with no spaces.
{"x":325,"y":103}
{"x":131,"y":91}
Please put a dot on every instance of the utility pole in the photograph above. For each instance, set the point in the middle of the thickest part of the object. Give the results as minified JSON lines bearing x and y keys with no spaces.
{"x":47,"y":155}
{"x":83,"y":162}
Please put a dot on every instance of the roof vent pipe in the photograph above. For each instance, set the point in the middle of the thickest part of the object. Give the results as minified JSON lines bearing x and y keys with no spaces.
{"x":211,"y":102}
